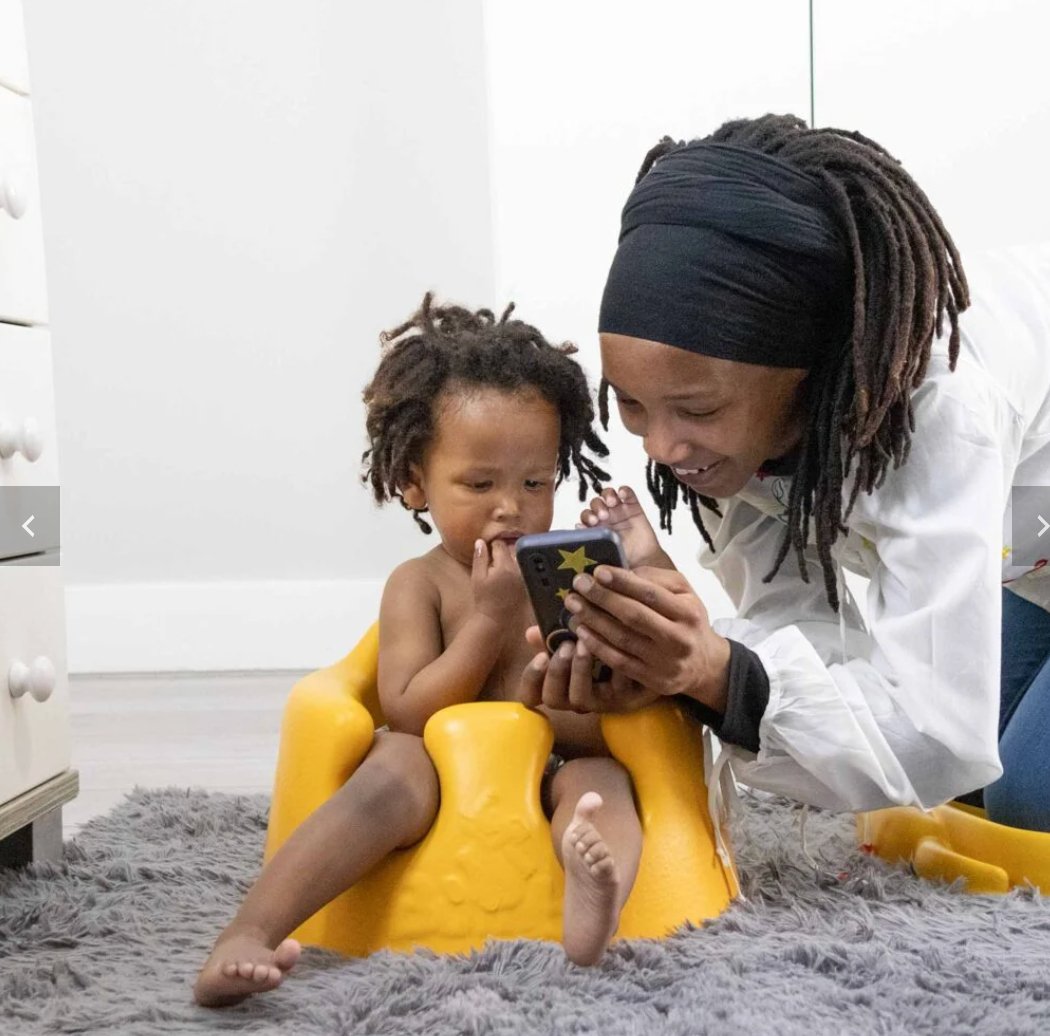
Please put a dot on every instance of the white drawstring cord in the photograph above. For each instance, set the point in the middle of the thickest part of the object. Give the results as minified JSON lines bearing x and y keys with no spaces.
{"x":717,"y":805}
{"x":844,"y":596}
{"x":820,"y":871}
{"x":802,"y":838}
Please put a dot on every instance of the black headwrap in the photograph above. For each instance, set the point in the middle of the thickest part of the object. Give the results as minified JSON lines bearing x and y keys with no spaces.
{"x":730,"y":252}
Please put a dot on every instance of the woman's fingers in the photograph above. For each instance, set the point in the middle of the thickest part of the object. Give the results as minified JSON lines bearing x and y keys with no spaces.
{"x":638,"y":624}
{"x":546,"y":681}
{"x":581,"y":690}
{"x":620,"y":592}
{"x":629,"y":666}
{"x":625,"y":622}
{"x":560,"y":681}
{"x":649,"y":627}
{"x":632,"y":633}
{"x":558,"y":675}
{"x":564,"y":681}
{"x":532,"y":680}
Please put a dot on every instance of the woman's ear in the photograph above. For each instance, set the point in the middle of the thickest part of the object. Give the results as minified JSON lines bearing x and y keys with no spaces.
{"x":413,"y":492}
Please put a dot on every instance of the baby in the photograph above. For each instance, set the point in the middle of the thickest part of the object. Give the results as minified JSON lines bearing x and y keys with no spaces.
{"x":473,"y":421}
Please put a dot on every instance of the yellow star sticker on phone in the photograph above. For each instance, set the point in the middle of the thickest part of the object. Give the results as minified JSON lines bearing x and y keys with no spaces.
{"x":562,"y":594}
{"x":576,"y":560}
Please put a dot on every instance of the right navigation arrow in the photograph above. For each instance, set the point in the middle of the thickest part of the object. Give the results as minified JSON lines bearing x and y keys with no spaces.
{"x":1044,"y":523}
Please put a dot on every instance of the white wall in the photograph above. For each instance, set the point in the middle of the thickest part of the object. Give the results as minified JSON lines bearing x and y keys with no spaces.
{"x":578,"y":94}
{"x":955,"y":89}
{"x":237,"y":198}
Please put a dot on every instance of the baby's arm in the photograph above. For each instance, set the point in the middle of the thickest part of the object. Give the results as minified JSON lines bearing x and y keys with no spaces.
{"x":620,"y":510}
{"x":417,"y":677}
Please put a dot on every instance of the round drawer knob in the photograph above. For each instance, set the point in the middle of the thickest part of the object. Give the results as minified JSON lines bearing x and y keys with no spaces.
{"x":12,"y":195}
{"x":38,"y":678}
{"x":32,"y":441}
{"x":18,"y":679}
{"x":9,"y":439}
{"x":28,"y":441}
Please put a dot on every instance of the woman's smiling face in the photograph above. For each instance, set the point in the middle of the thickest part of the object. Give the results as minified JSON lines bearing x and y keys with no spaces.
{"x":698,"y":412}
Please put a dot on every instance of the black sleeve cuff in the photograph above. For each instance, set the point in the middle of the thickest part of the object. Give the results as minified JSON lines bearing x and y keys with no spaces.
{"x":746,"y":700}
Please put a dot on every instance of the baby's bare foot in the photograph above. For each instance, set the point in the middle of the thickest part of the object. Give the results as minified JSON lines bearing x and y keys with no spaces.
{"x":242,"y":964}
{"x":619,"y":510}
{"x":592,"y":886}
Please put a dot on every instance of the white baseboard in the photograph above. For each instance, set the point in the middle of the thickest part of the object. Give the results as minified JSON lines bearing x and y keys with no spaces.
{"x":197,"y":627}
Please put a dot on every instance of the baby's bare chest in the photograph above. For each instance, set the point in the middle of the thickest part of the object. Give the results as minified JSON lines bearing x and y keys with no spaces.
{"x":573,"y":734}
{"x":503,"y":683}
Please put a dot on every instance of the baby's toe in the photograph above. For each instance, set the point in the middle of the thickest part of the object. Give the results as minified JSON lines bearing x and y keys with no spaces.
{"x":589,"y":804}
{"x":586,"y":841}
{"x":287,"y":954}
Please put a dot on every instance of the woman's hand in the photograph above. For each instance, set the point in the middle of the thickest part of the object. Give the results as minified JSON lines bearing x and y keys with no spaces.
{"x":564,"y":681}
{"x":619,"y":510}
{"x":650,"y":628}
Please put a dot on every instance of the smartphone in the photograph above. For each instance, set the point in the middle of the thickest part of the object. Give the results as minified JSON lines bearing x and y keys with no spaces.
{"x":549,"y":561}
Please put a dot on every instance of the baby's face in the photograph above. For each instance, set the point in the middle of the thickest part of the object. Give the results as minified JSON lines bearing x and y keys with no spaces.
{"x":489,"y":471}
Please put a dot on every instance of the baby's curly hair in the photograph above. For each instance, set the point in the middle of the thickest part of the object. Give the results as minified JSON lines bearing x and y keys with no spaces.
{"x":439,"y":347}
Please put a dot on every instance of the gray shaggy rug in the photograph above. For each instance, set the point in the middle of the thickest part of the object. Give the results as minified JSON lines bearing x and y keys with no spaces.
{"x":109,"y":941}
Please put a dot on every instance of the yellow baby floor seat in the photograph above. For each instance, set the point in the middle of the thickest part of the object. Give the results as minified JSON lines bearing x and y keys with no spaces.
{"x":958,"y":841}
{"x":487,"y":868}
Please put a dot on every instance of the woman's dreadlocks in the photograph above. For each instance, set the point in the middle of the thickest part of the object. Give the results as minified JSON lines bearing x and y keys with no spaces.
{"x":906,"y":274}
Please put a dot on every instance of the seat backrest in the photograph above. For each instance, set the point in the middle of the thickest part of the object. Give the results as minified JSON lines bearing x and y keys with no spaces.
{"x":359,"y":673}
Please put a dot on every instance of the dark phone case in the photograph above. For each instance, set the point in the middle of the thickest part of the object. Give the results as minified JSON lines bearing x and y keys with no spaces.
{"x":549,"y":561}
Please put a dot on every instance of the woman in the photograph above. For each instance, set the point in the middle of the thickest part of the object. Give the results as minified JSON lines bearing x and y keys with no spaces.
{"x":771,"y":326}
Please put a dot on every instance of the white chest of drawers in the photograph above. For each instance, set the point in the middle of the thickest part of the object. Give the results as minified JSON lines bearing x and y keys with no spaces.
{"x":35,"y":775}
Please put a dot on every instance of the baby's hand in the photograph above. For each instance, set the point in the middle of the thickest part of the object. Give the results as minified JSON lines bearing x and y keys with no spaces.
{"x":496,"y":581}
{"x":620,"y":510}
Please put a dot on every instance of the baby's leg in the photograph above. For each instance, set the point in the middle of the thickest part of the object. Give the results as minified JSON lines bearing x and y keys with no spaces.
{"x":388,"y":803}
{"x":598,"y":838}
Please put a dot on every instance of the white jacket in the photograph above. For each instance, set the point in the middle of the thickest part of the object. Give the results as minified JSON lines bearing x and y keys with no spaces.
{"x":904,"y":710}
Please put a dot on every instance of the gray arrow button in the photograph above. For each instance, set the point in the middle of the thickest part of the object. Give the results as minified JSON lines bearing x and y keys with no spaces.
{"x":29,"y":520}
{"x":1030,"y":507}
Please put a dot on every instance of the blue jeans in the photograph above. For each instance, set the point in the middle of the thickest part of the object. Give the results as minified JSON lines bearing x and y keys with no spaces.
{"x":1021,"y":797}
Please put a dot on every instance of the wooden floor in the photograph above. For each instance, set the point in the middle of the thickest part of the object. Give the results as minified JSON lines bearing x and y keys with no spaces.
{"x":216,"y":731}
